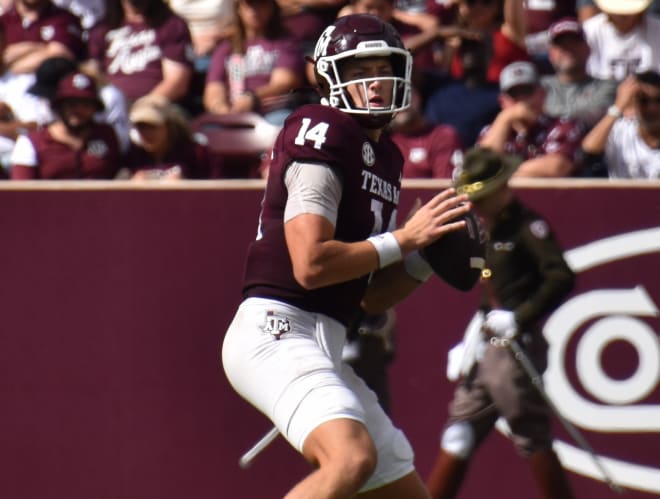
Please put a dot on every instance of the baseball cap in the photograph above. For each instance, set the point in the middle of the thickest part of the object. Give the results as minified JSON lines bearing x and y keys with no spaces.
{"x":518,"y":73}
{"x":77,"y":86}
{"x":625,"y":7}
{"x":48,"y":75}
{"x":483,"y":171}
{"x":565,"y":26}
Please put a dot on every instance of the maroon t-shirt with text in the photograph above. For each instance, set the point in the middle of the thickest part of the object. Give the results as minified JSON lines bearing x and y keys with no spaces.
{"x":131,"y":55}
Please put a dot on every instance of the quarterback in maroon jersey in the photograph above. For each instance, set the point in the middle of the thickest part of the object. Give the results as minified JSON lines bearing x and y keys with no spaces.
{"x":327,"y":241}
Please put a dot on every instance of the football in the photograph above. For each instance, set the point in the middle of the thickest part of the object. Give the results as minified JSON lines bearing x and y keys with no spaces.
{"x":459,"y":256}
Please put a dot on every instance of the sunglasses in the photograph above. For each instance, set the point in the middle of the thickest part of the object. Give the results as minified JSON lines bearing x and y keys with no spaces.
{"x":645,"y":100}
{"x":521,"y":91}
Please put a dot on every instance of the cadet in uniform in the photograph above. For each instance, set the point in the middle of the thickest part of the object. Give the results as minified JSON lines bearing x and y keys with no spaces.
{"x":528,"y":279}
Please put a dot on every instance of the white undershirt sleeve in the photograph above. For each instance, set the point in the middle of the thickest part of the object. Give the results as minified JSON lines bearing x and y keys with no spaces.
{"x":313,"y":188}
{"x":23,"y":153}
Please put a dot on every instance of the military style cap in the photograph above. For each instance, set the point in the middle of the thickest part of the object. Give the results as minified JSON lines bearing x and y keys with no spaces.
{"x":483,"y":171}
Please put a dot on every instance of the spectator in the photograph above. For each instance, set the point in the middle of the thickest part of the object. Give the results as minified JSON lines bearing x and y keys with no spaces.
{"x":539,"y":16}
{"x":470,"y":103}
{"x":502,"y":23}
{"x":416,"y":39}
{"x":549,"y":147}
{"x":305,"y":20}
{"x":623,"y":38}
{"x":74,"y":146}
{"x":143,"y":48}
{"x":630,"y":145}
{"x":34,"y":30}
{"x":571,"y":92}
{"x":429,"y":151}
{"x":587,"y":8}
{"x":31,"y":32}
{"x":164,"y":145}
{"x":51,"y":71}
{"x":258,"y":69}
{"x":528,"y":279}
{"x":209,"y":21}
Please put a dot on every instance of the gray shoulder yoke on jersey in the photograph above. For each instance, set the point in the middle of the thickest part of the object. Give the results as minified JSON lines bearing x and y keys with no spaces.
{"x":313,"y":188}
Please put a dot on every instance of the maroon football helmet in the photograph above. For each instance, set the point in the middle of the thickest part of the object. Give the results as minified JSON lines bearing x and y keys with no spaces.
{"x":362,"y":36}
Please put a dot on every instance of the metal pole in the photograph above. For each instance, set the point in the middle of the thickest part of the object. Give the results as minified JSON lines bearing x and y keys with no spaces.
{"x":537,"y":381}
{"x":246,"y":459}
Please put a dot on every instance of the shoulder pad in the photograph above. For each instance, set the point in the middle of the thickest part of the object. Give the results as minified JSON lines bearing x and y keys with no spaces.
{"x":321,"y":134}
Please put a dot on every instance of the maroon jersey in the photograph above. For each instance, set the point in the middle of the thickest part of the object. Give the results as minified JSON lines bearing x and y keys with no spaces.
{"x":547,"y":136}
{"x":252,"y":70}
{"x":53,"y":25}
{"x":370,"y":173}
{"x":190,"y":156}
{"x":429,"y":153}
{"x":99,"y":157}
{"x":131,"y":55}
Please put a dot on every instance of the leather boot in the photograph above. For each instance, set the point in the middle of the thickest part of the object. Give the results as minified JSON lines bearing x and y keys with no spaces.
{"x":550,"y":476}
{"x":447,"y":476}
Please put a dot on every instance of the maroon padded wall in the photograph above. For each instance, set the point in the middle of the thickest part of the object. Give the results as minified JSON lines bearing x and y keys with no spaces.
{"x":113,"y":305}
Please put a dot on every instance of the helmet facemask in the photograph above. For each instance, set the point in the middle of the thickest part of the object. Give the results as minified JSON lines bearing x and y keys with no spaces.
{"x":328,"y":69}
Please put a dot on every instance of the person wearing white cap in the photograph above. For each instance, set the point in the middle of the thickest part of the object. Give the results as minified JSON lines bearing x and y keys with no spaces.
{"x":623,"y":38}
{"x":548,"y":147}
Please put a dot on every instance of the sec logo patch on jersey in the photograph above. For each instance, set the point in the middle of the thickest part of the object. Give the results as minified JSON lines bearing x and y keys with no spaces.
{"x":368,"y":154}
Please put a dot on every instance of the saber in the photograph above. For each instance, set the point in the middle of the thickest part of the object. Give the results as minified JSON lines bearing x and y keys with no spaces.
{"x":246,"y":459}
{"x":537,"y":381}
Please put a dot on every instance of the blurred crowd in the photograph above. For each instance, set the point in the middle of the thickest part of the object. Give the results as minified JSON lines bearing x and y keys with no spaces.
{"x":104,"y":89}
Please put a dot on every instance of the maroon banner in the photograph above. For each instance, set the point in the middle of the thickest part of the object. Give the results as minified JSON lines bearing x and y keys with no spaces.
{"x":115,"y":299}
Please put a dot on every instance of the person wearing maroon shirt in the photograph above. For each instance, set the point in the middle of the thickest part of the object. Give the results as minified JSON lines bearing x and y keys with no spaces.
{"x":74,"y":146}
{"x":34,"y":30}
{"x":258,"y":69}
{"x":429,"y":151}
{"x":549,"y":147}
{"x":502,"y":23}
{"x":143,"y":48}
{"x":328,"y":245}
{"x":164,"y":146}
{"x":540,"y":15}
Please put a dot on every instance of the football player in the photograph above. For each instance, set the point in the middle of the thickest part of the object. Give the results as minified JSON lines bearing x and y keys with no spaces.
{"x":327,"y":241}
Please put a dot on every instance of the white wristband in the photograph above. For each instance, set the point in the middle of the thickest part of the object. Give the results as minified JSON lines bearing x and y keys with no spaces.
{"x":387,"y":247}
{"x":417,"y":267}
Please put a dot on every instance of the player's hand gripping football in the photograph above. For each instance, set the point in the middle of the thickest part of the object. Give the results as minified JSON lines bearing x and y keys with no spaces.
{"x":432,"y":220}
